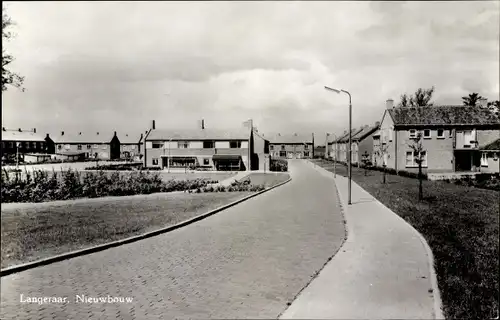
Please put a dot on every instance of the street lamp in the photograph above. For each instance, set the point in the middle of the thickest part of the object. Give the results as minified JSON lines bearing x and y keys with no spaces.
{"x":349,"y":164}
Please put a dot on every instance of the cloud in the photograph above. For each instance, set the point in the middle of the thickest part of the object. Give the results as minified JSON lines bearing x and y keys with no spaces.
{"x":122,"y":64}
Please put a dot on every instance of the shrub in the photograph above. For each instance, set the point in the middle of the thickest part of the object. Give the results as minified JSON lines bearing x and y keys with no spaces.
{"x":280,"y":165}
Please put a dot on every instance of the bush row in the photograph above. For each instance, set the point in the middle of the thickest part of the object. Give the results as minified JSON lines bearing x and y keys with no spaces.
{"x":41,"y":186}
{"x":387,"y":170}
{"x":280,"y":165}
{"x":236,"y":186}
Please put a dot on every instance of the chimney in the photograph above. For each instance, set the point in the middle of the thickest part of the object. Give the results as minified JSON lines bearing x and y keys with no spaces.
{"x":202,"y":124}
{"x":20,"y":130}
{"x":153,"y":125}
{"x":79,"y":133}
{"x":295,"y":134}
{"x":279,"y":135}
{"x":47,"y":135}
{"x":377,"y":123}
{"x":141,"y":136}
{"x":34,"y":130}
{"x":3,"y":128}
{"x":97,"y":133}
{"x":115,"y":133}
{"x":389,"y":104}
{"x":62,"y":133}
{"x":126,"y":135}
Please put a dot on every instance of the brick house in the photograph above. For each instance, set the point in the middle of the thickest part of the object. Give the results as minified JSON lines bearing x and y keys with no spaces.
{"x":341,"y":144}
{"x":292,"y":146}
{"x":28,"y":141}
{"x":86,"y":145}
{"x":131,"y":146}
{"x":452,"y":137}
{"x":362,"y":143}
{"x":240,"y":149}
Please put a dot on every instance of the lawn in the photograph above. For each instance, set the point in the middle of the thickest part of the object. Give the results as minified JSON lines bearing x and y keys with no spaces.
{"x":267,"y":179}
{"x":36,"y":231}
{"x":461,"y":225}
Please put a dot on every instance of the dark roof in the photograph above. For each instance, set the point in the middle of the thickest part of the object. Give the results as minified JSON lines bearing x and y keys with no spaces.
{"x":443,"y":115}
{"x":199,"y":134}
{"x":367,"y":131}
{"x":16,"y":135}
{"x":345,"y":138}
{"x":226,"y":157}
{"x":291,"y":139}
{"x":495,"y":146}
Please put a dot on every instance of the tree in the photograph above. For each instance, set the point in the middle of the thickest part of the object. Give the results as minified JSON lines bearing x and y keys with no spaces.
{"x":419,"y":157}
{"x":494,"y":107}
{"x":382,"y":151}
{"x":8,"y":77}
{"x":421,"y":98}
{"x":472,"y":100}
{"x":366,"y":161}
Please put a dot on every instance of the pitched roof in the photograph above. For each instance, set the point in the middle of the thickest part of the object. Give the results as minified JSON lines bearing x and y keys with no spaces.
{"x":443,"y":115}
{"x":291,"y":139}
{"x":345,"y":137}
{"x":16,"y":135}
{"x":495,"y":145}
{"x":126,"y":138}
{"x":199,"y":134}
{"x":82,"y":137}
{"x":367,"y":131}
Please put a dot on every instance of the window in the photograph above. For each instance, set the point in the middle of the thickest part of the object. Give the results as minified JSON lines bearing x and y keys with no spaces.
{"x":484,"y":159}
{"x":33,"y":145}
{"x":133,"y":147}
{"x":11,"y":144}
{"x":306,"y":147}
{"x":96,"y":146}
{"x":208,"y":145}
{"x":67,"y":147}
{"x":427,"y":133}
{"x":467,"y":138}
{"x":282,"y":147}
{"x":412,"y":133}
{"x":411,"y":162}
{"x":103,"y":147}
{"x":206,"y":162}
{"x":79,"y":147}
{"x":89,"y":146}
{"x":183,"y":144}
{"x":234,"y":144}
{"x":282,"y":153}
{"x":440,"y":133}
{"x":155,"y":161}
{"x":306,"y":153}
{"x":59,"y":146}
{"x":157,"y":145}
{"x":390,"y":134}
{"x":271,"y":148}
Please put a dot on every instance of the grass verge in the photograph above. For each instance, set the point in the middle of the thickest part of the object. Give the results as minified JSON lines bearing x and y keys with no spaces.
{"x":267,"y":180}
{"x":461,"y":225}
{"x":36,"y":231}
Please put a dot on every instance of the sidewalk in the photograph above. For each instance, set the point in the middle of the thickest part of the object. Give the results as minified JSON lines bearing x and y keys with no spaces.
{"x":382,"y":271}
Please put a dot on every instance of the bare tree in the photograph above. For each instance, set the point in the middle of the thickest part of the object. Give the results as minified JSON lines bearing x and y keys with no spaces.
{"x":421,"y":98}
{"x":419,"y":155}
{"x":473,"y":99}
{"x":8,"y":77}
{"x":382,"y":151}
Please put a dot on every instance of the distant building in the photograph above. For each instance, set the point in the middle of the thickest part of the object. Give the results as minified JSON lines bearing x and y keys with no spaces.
{"x":87,"y":145}
{"x":212,"y":149}
{"x":22,"y":141}
{"x":130,"y":146}
{"x":292,"y":146}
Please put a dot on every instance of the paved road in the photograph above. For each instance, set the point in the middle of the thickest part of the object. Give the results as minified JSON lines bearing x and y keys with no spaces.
{"x":245,"y":262}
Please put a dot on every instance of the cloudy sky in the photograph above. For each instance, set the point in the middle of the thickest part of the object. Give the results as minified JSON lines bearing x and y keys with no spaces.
{"x":116,"y":66}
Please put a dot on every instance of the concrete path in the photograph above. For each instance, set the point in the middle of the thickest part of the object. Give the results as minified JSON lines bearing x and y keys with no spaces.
{"x":381,"y":272}
{"x":248,"y":261}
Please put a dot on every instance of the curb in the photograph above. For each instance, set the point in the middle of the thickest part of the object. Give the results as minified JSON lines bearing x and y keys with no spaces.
{"x":438,"y":307}
{"x":77,"y":253}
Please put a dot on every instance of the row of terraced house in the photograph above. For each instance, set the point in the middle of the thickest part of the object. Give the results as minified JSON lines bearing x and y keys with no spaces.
{"x":455,"y":139}
{"x":243,"y":148}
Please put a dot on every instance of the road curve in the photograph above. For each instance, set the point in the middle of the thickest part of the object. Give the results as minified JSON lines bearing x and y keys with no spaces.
{"x":248,"y":261}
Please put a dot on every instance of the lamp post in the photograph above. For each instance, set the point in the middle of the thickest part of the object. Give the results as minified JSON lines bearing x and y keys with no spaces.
{"x":349,"y":164}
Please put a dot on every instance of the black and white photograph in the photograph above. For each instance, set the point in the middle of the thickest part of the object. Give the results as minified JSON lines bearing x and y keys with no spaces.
{"x":250,"y":160}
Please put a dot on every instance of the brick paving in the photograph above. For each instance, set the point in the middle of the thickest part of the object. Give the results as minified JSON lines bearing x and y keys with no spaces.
{"x":246,"y":262}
